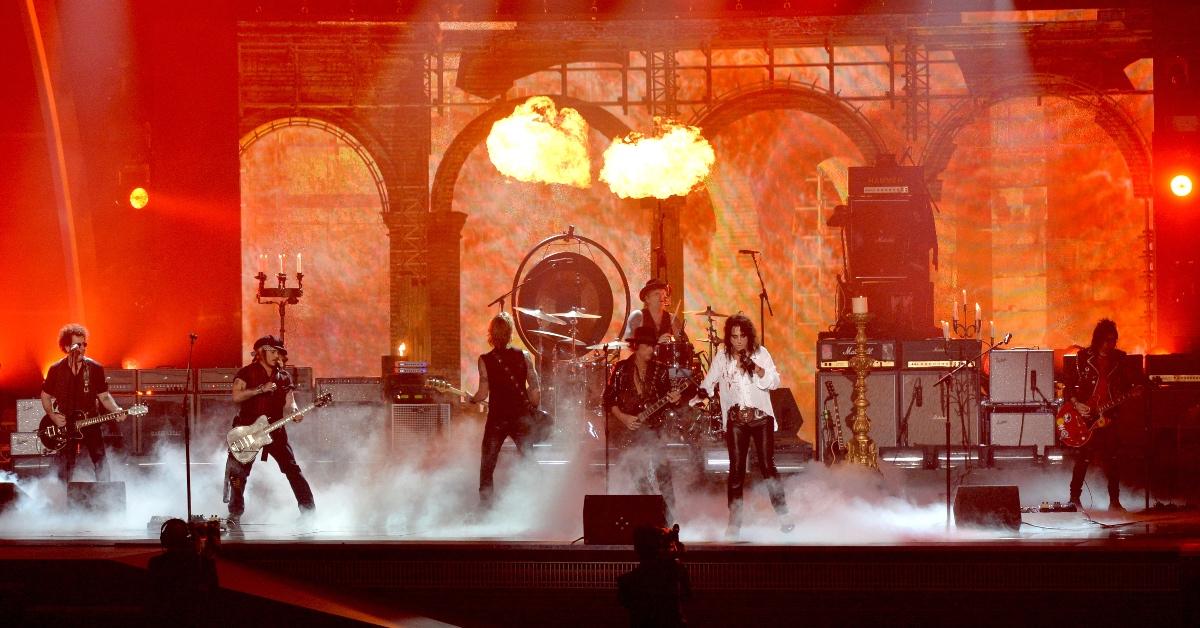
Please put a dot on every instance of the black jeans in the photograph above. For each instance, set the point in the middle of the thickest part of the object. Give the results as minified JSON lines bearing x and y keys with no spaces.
{"x":494,"y":433}
{"x":1103,"y":449}
{"x":237,"y":474}
{"x":93,"y":442}
{"x":737,"y":442}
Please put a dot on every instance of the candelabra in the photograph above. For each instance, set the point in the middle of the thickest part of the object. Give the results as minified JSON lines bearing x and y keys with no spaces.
{"x":281,"y":295}
{"x":862,"y":448}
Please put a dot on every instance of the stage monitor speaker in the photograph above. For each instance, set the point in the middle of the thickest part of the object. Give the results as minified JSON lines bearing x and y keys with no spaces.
{"x":987,"y":506}
{"x":919,"y":421}
{"x":611,"y":519}
{"x":106,"y":496}
{"x":787,"y":413}
{"x":881,"y":394}
{"x":1022,"y":428}
{"x":1014,"y":372}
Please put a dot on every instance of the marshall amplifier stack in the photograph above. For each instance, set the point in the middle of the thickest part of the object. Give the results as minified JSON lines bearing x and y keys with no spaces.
{"x":833,"y":362}
{"x":122,"y":385}
{"x":163,"y":392}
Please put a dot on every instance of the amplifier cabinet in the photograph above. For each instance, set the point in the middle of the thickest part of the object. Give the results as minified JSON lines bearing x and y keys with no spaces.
{"x":29,"y":414}
{"x":1021,"y":428}
{"x":302,"y":378}
{"x":1015,"y":372}
{"x":24,"y":444}
{"x":162,"y":381}
{"x":881,"y":394}
{"x":415,"y":424}
{"x":351,"y":389}
{"x":215,"y":381}
{"x":938,"y":354}
{"x":920,"y":415}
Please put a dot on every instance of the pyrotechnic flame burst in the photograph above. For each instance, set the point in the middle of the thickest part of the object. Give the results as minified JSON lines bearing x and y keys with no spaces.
{"x":540,"y":143}
{"x":672,"y":161}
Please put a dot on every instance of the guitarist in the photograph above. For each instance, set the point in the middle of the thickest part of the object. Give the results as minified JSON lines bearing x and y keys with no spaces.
{"x":508,"y":380}
{"x":1096,"y":377}
{"x":636,"y":382}
{"x":76,"y":384}
{"x":264,"y":387}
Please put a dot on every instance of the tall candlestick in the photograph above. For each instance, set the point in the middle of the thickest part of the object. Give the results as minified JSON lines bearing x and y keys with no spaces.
{"x":299,"y":263}
{"x":859,"y":305}
{"x":281,"y":263}
{"x":978,"y":316}
{"x":954,"y":317}
{"x":945,"y":330}
{"x":992,"y":335}
{"x":964,"y":299}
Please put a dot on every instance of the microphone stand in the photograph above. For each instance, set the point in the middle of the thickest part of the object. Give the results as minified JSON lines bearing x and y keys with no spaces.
{"x":763,"y":300}
{"x":190,"y":398}
{"x":945,"y":399}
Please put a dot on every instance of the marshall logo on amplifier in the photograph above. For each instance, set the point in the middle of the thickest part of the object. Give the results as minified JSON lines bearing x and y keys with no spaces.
{"x":834,"y":354}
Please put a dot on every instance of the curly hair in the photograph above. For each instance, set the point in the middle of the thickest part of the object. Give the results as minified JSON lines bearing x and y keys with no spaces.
{"x":743,"y":322}
{"x":68,"y":331}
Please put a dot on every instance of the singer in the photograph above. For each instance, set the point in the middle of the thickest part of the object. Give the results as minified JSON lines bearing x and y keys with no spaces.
{"x":75,"y":385}
{"x":746,"y":375}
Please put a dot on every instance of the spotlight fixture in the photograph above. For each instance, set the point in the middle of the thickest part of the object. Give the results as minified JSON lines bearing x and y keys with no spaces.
{"x":1181,"y":185}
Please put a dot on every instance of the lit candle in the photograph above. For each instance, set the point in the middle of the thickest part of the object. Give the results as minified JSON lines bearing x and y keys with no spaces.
{"x":402,"y":349}
{"x":859,"y":305}
{"x":281,"y":263}
{"x":954,"y":316}
{"x":262,"y":263}
{"x":964,"y":300}
{"x":978,"y":317}
{"x":993,"y":332}
{"x":945,"y":330}
{"x":299,"y":263}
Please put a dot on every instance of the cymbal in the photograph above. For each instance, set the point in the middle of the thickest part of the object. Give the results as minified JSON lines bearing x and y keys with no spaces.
{"x":611,"y":345}
{"x":707,"y":312}
{"x":574,"y":313}
{"x":557,"y":337}
{"x":541,"y":316}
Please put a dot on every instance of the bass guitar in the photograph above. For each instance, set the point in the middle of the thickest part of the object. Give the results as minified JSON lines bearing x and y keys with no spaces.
{"x":245,"y":441}
{"x":54,"y":438}
{"x":540,"y":423}
{"x":1075,"y":429}
{"x":835,"y":446}
{"x":650,"y":417}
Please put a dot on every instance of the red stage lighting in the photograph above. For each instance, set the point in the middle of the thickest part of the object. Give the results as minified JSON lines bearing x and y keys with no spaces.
{"x":1181,"y":185}
{"x":139,"y":198}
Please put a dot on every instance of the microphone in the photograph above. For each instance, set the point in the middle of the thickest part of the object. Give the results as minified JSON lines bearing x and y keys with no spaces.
{"x":74,"y":347}
{"x":918,"y":392}
{"x":747,"y":252}
{"x":1007,"y":337}
{"x":832,"y":392}
{"x":193,"y":336}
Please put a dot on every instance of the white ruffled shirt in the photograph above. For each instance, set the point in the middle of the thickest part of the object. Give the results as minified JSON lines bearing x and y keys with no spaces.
{"x":740,"y":388}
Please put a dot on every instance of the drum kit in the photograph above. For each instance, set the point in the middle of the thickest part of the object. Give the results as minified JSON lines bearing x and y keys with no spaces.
{"x":576,"y":374}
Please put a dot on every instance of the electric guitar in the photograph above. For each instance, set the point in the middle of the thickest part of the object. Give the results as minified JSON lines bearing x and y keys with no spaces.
{"x":540,"y":423}
{"x":650,"y":417}
{"x":1075,"y":429}
{"x":246,"y":441}
{"x":443,"y":386}
{"x":54,"y":438}
{"x":835,"y":447}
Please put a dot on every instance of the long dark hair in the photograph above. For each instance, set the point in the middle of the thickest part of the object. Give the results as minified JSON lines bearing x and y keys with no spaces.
{"x":741,"y":321}
{"x":1106,"y":327}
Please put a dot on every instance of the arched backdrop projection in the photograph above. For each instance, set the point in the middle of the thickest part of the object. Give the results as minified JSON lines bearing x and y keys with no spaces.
{"x":304,"y":190}
{"x":1037,"y":219}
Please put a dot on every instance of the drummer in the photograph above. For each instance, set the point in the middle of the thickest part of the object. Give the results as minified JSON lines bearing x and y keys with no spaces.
{"x":656,"y":298}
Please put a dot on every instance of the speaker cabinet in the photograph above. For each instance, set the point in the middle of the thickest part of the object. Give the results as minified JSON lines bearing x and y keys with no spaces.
{"x":919,"y":418}
{"x":416,"y":424}
{"x":1021,"y":428}
{"x":1014,"y":372}
{"x":106,"y":496}
{"x":987,"y":507}
{"x":611,"y":519}
{"x":162,"y":426}
{"x":881,"y":394}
